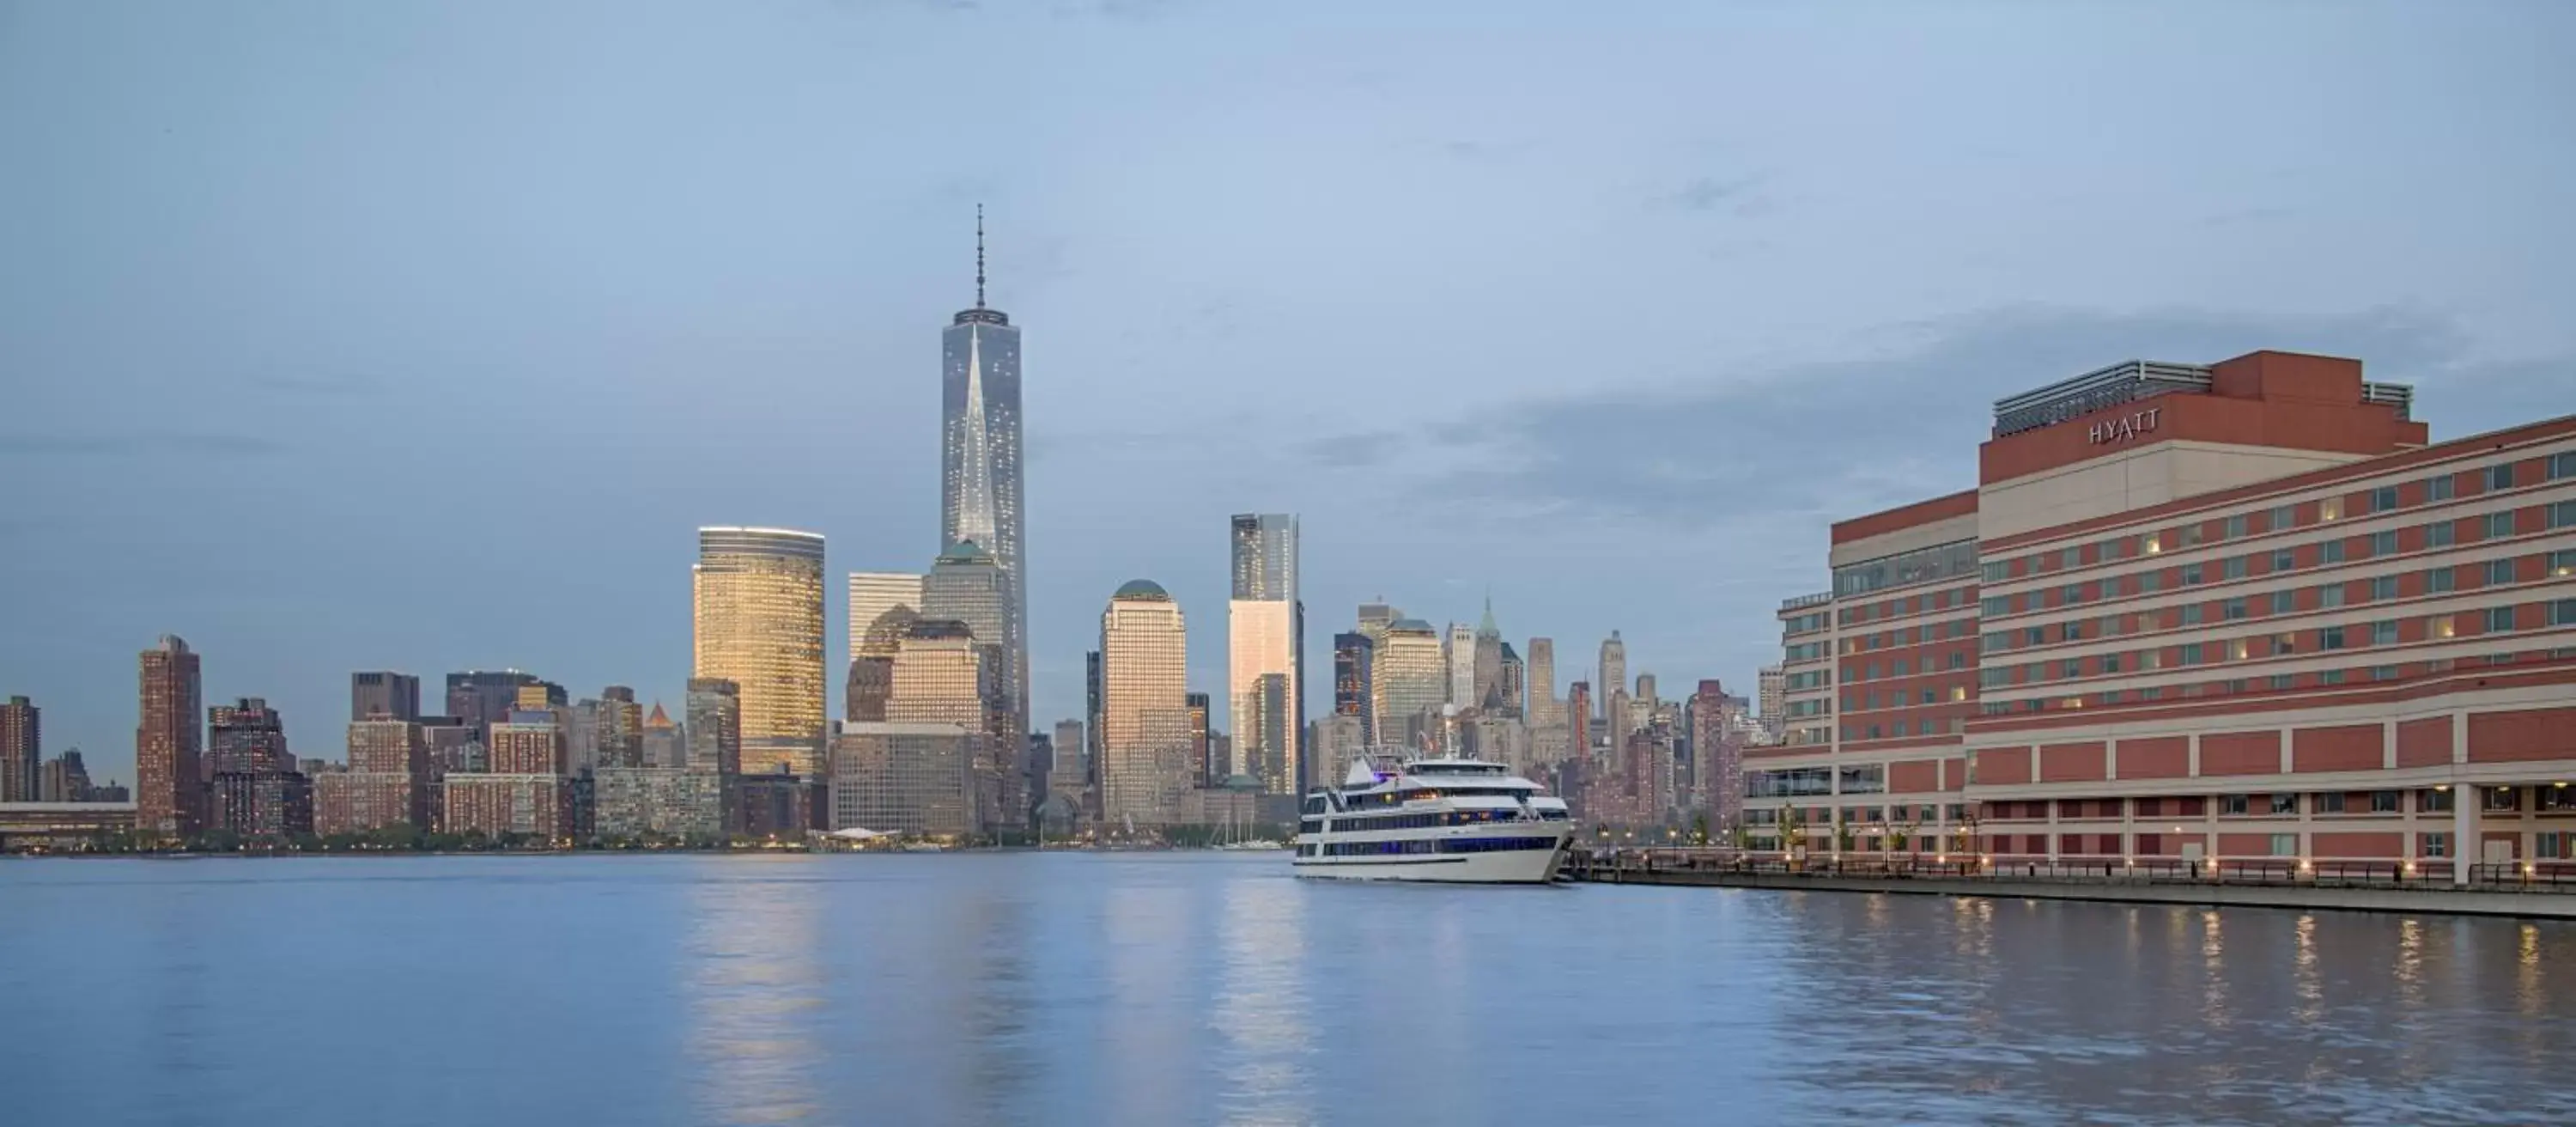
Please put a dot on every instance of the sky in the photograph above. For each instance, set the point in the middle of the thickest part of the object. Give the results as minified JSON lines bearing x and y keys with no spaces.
{"x":423,"y":336}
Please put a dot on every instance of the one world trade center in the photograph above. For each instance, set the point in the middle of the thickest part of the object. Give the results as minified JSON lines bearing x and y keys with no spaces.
{"x":979,"y":478}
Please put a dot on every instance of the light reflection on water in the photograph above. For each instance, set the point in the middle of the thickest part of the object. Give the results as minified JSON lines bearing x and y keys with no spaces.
{"x":1149,"y":989}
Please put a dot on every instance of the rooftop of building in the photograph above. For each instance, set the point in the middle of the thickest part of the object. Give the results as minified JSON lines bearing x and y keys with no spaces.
{"x":1141,"y":590}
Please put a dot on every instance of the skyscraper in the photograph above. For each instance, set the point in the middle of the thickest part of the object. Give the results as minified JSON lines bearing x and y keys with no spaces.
{"x":1411,"y":680}
{"x":713,"y":729}
{"x":1460,"y":656}
{"x":1614,"y":673}
{"x":967,"y":587}
{"x":481,"y":698}
{"x":1066,"y":778}
{"x":1515,"y":683}
{"x":22,"y":754}
{"x":663,"y":745}
{"x":168,"y":788}
{"x":1772,"y":690}
{"x":383,"y":693}
{"x":759,"y":624}
{"x":1144,"y":741}
{"x":1205,"y":771}
{"x":1266,"y":653}
{"x":1354,"y":660}
{"x":874,"y":594}
{"x":245,"y":736}
{"x":980,"y":495}
{"x":1578,"y":722}
{"x":529,"y":743}
{"x":1489,"y":665}
{"x":1542,"y":681}
{"x":617,"y":735}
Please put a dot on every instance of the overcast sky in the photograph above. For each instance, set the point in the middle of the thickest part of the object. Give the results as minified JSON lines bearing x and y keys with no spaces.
{"x":423,"y":336}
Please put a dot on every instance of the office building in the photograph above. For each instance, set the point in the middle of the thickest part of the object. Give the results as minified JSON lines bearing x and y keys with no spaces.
{"x":2239,"y":611}
{"x":22,"y":751}
{"x":967,"y":586}
{"x":759,"y":624}
{"x":1486,"y":659}
{"x":383,"y":693}
{"x":1265,"y":654}
{"x":905,"y":777}
{"x":65,"y":779}
{"x":245,"y":737}
{"x":1578,"y":720}
{"x":481,"y":698}
{"x":1514,"y":685}
{"x":1772,"y":690}
{"x":980,"y":475}
{"x":169,"y":783}
{"x":1067,"y":776}
{"x":1459,"y":655}
{"x":265,"y":804}
{"x":663,"y":744}
{"x":1412,"y":681}
{"x":630,"y":803}
{"x":1614,"y":675}
{"x":873,"y":596}
{"x":1145,"y":744}
{"x":1203,"y":765}
{"x":1354,"y":693}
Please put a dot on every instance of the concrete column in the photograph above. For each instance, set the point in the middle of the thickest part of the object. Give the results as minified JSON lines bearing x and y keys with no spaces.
{"x":2464,"y":831}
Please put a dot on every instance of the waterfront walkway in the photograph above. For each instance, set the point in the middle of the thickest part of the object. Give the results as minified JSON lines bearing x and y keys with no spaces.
{"x":2494,"y":890}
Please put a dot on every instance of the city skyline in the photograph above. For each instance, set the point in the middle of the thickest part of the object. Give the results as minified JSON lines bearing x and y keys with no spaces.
{"x":786,"y":354}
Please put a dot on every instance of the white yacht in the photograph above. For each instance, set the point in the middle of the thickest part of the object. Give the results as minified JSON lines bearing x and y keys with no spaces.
{"x":1454,"y":820}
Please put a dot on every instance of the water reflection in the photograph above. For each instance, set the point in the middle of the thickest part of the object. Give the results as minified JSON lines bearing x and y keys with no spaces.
{"x":1150,"y":1037}
{"x":1261,"y":1003}
{"x":754,"y":989}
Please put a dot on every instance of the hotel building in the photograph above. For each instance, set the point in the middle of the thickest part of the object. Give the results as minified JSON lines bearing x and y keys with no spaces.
{"x":2241,"y":612}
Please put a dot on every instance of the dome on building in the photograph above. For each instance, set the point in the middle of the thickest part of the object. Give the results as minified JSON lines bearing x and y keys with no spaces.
{"x":931,"y":629}
{"x":1135,"y":590}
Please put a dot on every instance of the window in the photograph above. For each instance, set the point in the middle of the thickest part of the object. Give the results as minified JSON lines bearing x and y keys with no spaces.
{"x":2191,"y":614}
{"x":2330,"y":509}
{"x":2284,"y":644}
{"x":2283,"y":516}
{"x":2502,"y":799}
{"x":2034,"y":635}
{"x":2283,"y":680}
{"x":2285,"y":845}
{"x":2071,"y":668}
{"x":2441,"y":534}
{"x":2191,"y":653}
{"x":2110,"y":663}
{"x":2148,"y":660}
{"x":2385,"y":801}
{"x":2330,"y":595}
{"x":2437,"y":845}
{"x":2190,"y":574}
{"x":2499,"y":619}
{"x":2148,"y":581}
{"x":2232,"y":609}
{"x":2383,"y":673}
{"x":2563,"y":612}
{"x":2285,"y":804}
{"x":2188,"y":535}
{"x":1900,"y":668}
{"x":2439,"y":627}
{"x":2283,"y":602}
{"x":2330,"y":677}
{"x":2383,"y":633}
{"x":2330,"y":638}
{"x":2383,"y":543}
{"x":2499,"y":572}
{"x":2383,"y":499}
{"x":2383,"y":588}
{"x":2236,"y":527}
{"x":2231,"y":803}
{"x":1994,"y":571}
{"x":2073,"y":593}
{"x":2438,"y":488}
{"x":2072,"y":557}
{"x":2562,"y":515}
{"x":2150,"y":544}
{"x":1958,"y":659}
{"x":2500,"y":476}
{"x":2330,"y":552}
{"x":2499,"y":525}
{"x":2233,"y":567}
{"x":2439,"y":580}
{"x":1996,"y":607}
{"x":2562,"y":465}
{"x":2236,"y":652}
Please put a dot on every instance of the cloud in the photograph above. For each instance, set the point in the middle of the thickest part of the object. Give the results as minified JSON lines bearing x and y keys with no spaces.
{"x":1707,"y":193}
{"x":138,"y":445}
{"x":1805,"y":443}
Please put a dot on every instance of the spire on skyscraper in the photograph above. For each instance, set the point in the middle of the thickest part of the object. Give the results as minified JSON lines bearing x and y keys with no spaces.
{"x":979,"y":256}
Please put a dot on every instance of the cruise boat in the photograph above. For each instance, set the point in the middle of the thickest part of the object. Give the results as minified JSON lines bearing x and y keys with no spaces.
{"x":1452,"y":820}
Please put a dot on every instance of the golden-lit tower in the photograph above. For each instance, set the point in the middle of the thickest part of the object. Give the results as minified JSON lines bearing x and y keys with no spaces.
{"x":759,"y":624}
{"x":1144,"y":720}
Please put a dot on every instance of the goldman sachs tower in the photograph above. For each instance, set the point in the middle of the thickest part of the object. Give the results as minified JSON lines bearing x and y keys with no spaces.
{"x":979,"y":466}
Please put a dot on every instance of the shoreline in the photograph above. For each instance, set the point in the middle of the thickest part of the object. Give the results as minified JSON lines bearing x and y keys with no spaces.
{"x":2210,"y":894}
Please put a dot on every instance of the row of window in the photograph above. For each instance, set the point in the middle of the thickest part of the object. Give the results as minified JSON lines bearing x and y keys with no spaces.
{"x":2279,"y":518}
{"x":1902,"y":667}
{"x":2381,"y":588}
{"x":2560,"y":516}
{"x":2382,"y":632}
{"x":2556,"y":798}
{"x":1423,"y":845}
{"x":1374,"y":822}
{"x":2273,"y":683}
{"x":1902,"y":729}
{"x":1910,"y":636}
{"x":1898,"y":608}
{"x":1862,"y":702}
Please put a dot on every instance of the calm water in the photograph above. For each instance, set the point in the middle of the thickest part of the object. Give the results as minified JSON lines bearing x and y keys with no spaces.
{"x":1209,"y":988}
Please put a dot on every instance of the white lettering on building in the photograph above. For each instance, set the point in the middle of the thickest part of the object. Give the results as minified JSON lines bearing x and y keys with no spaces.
{"x":2126,"y":427}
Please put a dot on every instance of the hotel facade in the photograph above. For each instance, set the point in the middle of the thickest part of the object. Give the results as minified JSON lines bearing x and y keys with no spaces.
{"x":2244,"y":613}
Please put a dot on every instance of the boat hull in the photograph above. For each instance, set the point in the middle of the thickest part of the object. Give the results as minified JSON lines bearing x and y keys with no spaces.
{"x":1519,"y":866}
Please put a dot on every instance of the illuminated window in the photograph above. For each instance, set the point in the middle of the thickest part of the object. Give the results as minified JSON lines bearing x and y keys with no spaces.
{"x":2236,"y":649}
{"x":2330,"y":509}
{"x":2151,"y":543}
{"x":2440,"y":626}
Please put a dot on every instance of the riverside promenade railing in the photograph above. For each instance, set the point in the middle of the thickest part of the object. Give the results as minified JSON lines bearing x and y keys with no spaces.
{"x":1612,"y":865}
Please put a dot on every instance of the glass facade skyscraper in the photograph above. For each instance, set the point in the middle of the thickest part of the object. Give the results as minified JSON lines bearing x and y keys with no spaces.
{"x":873,"y":595}
{"x":1144,"y":718}
{"x":1266,"y":653}
{"x":980,"y":495}
{"x":759,"y":624}
{"x":1411,"y":680}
